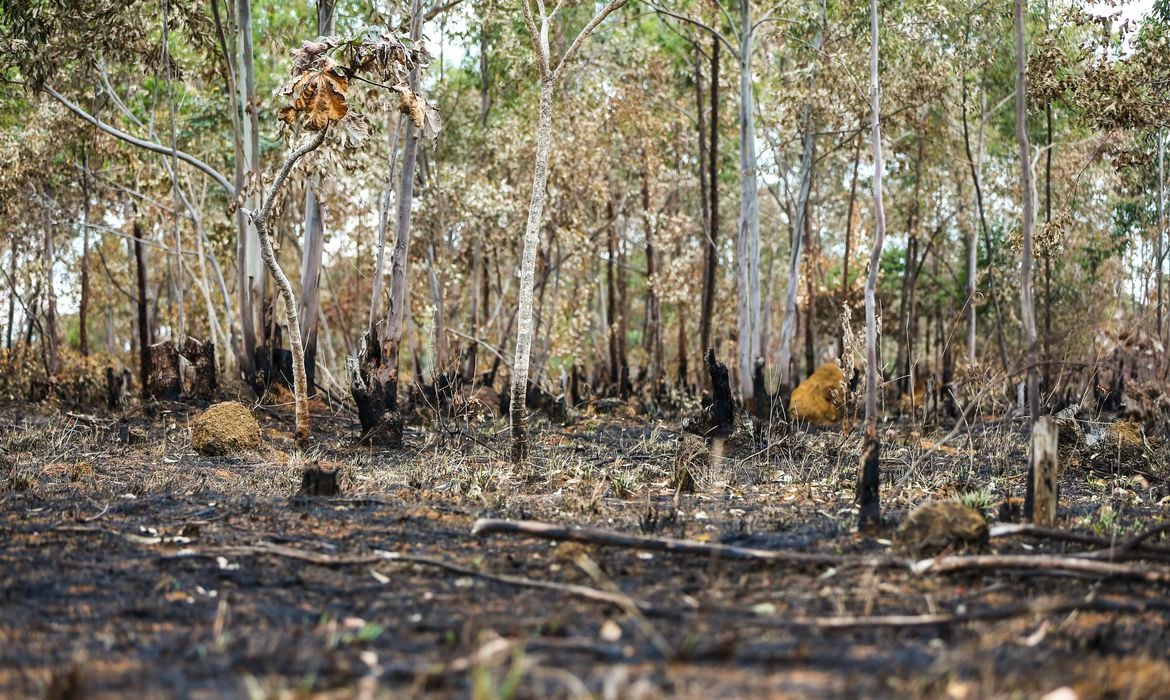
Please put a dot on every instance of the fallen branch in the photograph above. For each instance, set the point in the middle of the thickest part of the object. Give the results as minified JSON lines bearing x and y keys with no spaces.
{"x":588,"y":535}
{"x":1043,"y":564}
{"x":849,"y":622}
{"x":1131,"y":548}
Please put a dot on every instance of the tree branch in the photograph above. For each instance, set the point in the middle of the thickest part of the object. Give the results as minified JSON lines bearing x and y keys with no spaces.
{"x":148,"y":145}
{"x":701,"y":25}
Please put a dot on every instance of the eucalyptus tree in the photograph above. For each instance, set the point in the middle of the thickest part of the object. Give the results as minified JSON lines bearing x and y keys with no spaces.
{"x":869,"y":475}
{"x":539,"y":25}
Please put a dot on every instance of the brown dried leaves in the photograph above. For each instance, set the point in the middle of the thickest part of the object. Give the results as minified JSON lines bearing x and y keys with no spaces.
{"x":317,"y":97}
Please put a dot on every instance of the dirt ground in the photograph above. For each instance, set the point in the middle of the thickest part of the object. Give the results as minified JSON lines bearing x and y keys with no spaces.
{"x":131,"y":566}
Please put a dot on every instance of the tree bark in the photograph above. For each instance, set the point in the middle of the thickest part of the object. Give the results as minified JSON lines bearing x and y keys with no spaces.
{"x":252,"y":280}
{"x":50,"y":336}
{"x":907,"y":313}
{"x":976,"y":164}
{"x":1160,"y":234}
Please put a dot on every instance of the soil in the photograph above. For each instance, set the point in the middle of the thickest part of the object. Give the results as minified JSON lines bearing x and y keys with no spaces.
{"x":139,"y":568}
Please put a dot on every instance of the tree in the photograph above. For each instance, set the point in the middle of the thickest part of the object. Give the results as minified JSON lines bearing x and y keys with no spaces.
{"x":869,"y":475}
{"x":550,"y":75}
{"x":1027,"y":306}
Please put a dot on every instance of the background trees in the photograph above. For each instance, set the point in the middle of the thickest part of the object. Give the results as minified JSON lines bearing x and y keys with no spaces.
{"x":633,"y":268}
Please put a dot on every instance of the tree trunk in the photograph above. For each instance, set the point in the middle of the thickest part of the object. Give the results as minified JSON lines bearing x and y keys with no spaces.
{"x":1027,"y":308}
{"x":653,"y":337}
{"x":143,"y":324}
{"x":11,"y":295}
{"x":788,"y":325}
{"x":1160,"y":234}
{"x":83,"y":305}
{"x":748,"y":240}
{"x":711,"y":262}
{"x":869,"y":474}
{"x":517,"y":406}
{"x":374,"y":373}
{"x":49,"y":335}
{"x":252,"y":279}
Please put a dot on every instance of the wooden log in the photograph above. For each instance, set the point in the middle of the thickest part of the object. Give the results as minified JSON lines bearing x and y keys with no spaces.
{"x":1044,"y":471}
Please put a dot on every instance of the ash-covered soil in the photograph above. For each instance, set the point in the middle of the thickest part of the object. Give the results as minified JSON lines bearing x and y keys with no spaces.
{"x":131,"y":566}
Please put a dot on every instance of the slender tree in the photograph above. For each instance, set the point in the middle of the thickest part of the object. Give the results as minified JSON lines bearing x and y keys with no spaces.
{"x":1027,"y":306}
{"x":869,"y":476}
{"x":550,"y":75}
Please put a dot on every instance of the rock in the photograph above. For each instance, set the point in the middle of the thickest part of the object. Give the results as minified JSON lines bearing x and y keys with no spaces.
{"x":939,"y":525}
{"x":820,"y":398}
{"x":224,"y":429}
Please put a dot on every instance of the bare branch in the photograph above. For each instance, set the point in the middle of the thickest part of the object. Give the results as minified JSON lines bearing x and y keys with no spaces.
{"x":148,"y":145}
{"x":312,"y":144}
{"x":701,"y":25}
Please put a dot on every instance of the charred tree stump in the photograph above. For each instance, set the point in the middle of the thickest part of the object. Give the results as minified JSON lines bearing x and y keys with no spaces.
{"x":112,"y":389}
{"x":201,"y":355}
{"x":374,"y":387}
{"x":717,"y":418}
{"x":165,"y":380}
{"x":761,"y":400}
{"x":317,"y":481}
{"x":868,"y":486}
{"x":1044,"y":471}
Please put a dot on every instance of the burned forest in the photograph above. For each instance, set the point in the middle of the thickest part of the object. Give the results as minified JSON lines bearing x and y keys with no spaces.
{"x":550,"y":349}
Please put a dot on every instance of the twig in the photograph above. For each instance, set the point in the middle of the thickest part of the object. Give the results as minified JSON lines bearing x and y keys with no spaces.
{"x":531,"y":528}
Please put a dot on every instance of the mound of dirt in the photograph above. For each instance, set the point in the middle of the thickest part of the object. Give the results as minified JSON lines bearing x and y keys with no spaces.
{"x":224,"y":429}
{"x":819,"y":399}
{"x":939,"y":525}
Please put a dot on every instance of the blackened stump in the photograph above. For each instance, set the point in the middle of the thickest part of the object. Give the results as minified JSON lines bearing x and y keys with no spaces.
{"x":316,"y":481}
{"x":868,"y":485}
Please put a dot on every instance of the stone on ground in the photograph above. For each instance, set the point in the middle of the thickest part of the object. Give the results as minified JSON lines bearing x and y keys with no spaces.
{"x":820,"y":398}
{"x":225,"y":429}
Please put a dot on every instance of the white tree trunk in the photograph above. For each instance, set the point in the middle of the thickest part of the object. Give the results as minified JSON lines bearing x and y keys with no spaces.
{"x":869,"y":478}
{"x":1027,"y":307}
{"x":253,"y":274}
{"x":748,"y":241}
{"x":527,"y":272}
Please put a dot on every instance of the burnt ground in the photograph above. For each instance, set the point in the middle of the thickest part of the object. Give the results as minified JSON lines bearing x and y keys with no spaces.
{"x":123,"y":573}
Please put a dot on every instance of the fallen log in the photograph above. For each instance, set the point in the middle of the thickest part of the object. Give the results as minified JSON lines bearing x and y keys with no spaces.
{"x":588,"y":535}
